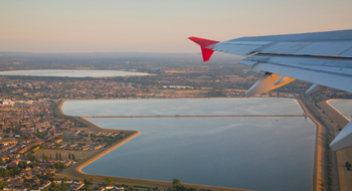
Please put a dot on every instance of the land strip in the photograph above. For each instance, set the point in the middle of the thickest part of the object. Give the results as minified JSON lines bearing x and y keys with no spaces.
{"x":173,"y":116}
{"x":320,"y":172}
{"x":336,"y":120}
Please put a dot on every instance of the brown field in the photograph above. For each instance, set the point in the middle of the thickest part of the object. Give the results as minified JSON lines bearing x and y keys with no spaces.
{"x":64,"y":153}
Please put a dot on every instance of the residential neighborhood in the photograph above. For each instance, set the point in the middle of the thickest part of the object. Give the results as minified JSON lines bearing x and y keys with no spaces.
{"x":30,"y":127}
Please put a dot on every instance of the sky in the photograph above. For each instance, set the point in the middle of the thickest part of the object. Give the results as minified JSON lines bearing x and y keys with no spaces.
{"x":43,"y":26}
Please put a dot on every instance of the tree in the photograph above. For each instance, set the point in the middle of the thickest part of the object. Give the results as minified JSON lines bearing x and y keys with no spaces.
{"x":50,"y":155}
{"x":176,"y":183}
{"x":90,"y":181}
{"x":73,"y":157}
{"x":20,"y":164}
{"x":45,"y":156}
{"x":63,"y":187}
{"x":69,"y":155}
{"x":179,"y":187}
{"x":30,"y":157}
{"x":49,"y":176}
{"x":348,"y":165}
{"x":1,"y":185}
{"x":108,"y":180}
{"x":5,"y":173}
{"x":59,"y":165}
{"x":60,"y":156}
{"x":57,"y":156}
{"x":16,"y":170}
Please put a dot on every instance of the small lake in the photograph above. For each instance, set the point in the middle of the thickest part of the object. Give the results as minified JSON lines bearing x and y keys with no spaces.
{"x":343,"y":106}
{"x":258,"y":153}
{"x":72,"y":73}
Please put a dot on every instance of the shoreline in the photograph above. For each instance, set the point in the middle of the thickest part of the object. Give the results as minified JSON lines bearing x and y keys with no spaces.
{"x":104,"y":151}
{"x":75,"y":171}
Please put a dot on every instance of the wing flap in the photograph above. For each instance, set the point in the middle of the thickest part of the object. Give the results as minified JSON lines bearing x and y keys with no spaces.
{"x":327,"y":79}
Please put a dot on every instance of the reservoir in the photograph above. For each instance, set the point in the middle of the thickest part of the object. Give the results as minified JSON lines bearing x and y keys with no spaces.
{"x":213,"y":106}
{"x":344,"y":106}
{"x":72,"y":73}
{"x":258,"y":153}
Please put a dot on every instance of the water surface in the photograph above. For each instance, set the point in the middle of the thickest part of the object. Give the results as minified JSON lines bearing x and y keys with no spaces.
{"x":72,"y":73}
{"x":251,"y":153}
{"x":213,"y":106}
{"x":343,"y":106}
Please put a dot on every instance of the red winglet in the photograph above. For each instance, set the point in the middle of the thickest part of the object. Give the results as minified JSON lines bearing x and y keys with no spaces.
{"x":203,"y":43}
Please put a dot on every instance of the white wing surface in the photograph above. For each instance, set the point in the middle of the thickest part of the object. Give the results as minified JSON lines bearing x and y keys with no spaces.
{"x":323,"y":58}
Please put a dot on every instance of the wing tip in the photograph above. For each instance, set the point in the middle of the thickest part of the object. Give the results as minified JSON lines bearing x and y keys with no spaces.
{"x":204,"y":43}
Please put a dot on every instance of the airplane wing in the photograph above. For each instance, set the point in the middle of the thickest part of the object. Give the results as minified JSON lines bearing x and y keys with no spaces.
{"x":322,"y":58}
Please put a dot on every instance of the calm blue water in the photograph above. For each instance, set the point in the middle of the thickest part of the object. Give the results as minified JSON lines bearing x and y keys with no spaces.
{"x":214,"y":106}
{"x":266,"y":153}
{"x":72,"y":73}
{"x":343,"y":106}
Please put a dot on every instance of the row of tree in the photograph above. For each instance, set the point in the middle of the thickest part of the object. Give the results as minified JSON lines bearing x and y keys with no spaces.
{"x":58,"y":156}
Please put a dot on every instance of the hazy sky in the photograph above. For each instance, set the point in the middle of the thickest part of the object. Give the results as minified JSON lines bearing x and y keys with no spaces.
{"x":157,"y":25}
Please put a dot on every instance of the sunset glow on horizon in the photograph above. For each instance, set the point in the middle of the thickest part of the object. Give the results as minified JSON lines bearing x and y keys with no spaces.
{"x":157,"y":25}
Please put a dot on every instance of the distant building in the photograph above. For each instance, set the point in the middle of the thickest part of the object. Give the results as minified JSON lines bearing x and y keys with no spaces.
{"x":178,"y":87}
{"x":7,"y":102}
